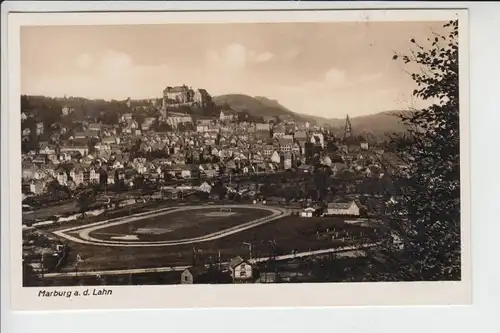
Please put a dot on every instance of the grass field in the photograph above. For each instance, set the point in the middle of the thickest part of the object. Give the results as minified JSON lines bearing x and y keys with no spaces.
{"x":289,"y":233}
{"x":180,"y":224}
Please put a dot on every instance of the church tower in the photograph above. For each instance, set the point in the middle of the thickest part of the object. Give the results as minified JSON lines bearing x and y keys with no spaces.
{"x":348,"y":128}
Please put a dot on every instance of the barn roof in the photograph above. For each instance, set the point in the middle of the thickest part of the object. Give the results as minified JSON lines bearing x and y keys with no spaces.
{"x":235,"y":261}
{"x":197,"y":270}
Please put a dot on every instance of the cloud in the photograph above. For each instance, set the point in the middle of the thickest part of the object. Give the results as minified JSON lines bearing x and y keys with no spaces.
{"x":110,"y":74}
{"x":264,"y":57}
{"x":235,"y":57}
{"x":116,"y":64}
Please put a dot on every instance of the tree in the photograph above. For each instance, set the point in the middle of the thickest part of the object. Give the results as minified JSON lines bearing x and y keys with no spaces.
{"x":84,"y":200}
{"x":30,"y":278}
{"x":428,"y":205}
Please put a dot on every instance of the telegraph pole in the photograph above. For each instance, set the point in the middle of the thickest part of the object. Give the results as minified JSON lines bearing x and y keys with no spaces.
{"x":219,"y":261}
{"x":42,"y":264}
{"x":249,"y":248}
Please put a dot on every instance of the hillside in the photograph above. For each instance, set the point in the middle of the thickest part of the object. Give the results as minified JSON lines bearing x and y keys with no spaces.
{"x":108,"y":111}
{"x":379,"y":123}
{"x":383,"y":122}
{"x":255,"y":106}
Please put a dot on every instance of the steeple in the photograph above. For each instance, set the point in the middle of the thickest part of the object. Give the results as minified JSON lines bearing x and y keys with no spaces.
{"x":348,"y":128}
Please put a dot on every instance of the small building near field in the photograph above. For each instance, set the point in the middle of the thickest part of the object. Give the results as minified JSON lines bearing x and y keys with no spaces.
{"x":241,"y":271}
{"x":307,"y":212}
{"x":194,"y":275}
{"x":343,"y":208}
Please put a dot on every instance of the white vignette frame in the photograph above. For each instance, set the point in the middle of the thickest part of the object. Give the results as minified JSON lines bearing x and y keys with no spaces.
{"x":14,"y":122}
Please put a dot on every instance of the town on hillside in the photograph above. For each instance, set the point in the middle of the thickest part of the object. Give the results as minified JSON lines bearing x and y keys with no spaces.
{"x":85,"y":161}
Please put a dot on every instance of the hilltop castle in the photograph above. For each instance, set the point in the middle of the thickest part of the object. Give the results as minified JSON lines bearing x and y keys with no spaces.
{"x":184,"y":96}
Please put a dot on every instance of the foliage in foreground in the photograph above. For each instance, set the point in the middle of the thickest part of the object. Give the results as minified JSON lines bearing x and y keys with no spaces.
{"x":426,"y":217}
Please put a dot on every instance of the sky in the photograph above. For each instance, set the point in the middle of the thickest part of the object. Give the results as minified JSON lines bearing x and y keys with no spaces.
{"x":322,"y":69}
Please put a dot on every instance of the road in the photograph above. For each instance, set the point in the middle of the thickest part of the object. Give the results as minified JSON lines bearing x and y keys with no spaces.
{"x":84,"y":236}
{"x":346,"y":250}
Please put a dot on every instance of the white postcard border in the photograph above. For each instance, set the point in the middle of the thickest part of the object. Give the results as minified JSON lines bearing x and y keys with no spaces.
{"x":282,"y":295}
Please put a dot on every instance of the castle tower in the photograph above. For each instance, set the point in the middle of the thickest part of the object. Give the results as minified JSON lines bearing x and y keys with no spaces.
{"x":164,"y":104}
{"x":348,"y":128}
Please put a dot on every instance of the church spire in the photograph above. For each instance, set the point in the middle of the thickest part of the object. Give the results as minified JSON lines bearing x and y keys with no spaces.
{"x":348,"y":128}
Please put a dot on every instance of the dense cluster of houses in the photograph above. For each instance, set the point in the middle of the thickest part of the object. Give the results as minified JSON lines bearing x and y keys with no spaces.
{"x":93,"y":152}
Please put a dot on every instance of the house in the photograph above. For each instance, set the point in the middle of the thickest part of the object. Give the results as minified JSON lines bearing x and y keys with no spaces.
{"x":47,"y":150}
{"x":111,"y":177}
{"x":133,"y":125}
{"x":268,"y":150}
{"x":77,"y":175}
{"x":28,"y":171}
{"x":39,"y":128}
{"x":307,"y":212}
{"x":241,"y":271}
{"x":62,"y":177}
{"x":148,"y":122}
{"x":66,"y":110}
{"x":201,"y":97}
{"x":38,"y":187}
{"x":94,"y":127}
{"x":262,"y":131}
{"x":275,"y":157}
{"x":262,"y":127}
{"x":126,"y":117}
{"x":327,"y":161}
{"x":176,"y":118}
{"x":226,"y":116}
{"x":285,"y":143}
{"x":80,"y":135}
{"x":65,"y":156}
{"x":202,"y":128}
{"x":94,"y":176}
{"x":343,"y":208}
{"x":300,"y":137}
{"x":194,"y":275}
{"x":306,"y":168}
{"x":210,"y":173}
{"x":205,"y":122}
{"x":296,"y":149}
{"x":287,"y":161}
{"x":317,"y":139}
{"x":364,"y":145}
{"x":205,"y":187}
{"x":109,"y":140}
{"x":279,"y":131}
{"x":38,"y":159}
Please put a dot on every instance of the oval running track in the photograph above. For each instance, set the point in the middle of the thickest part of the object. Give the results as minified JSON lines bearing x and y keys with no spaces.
{"x":86,"y":238}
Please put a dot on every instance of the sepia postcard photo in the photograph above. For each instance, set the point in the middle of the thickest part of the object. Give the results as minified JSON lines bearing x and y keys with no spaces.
{"x":239,"y":159}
